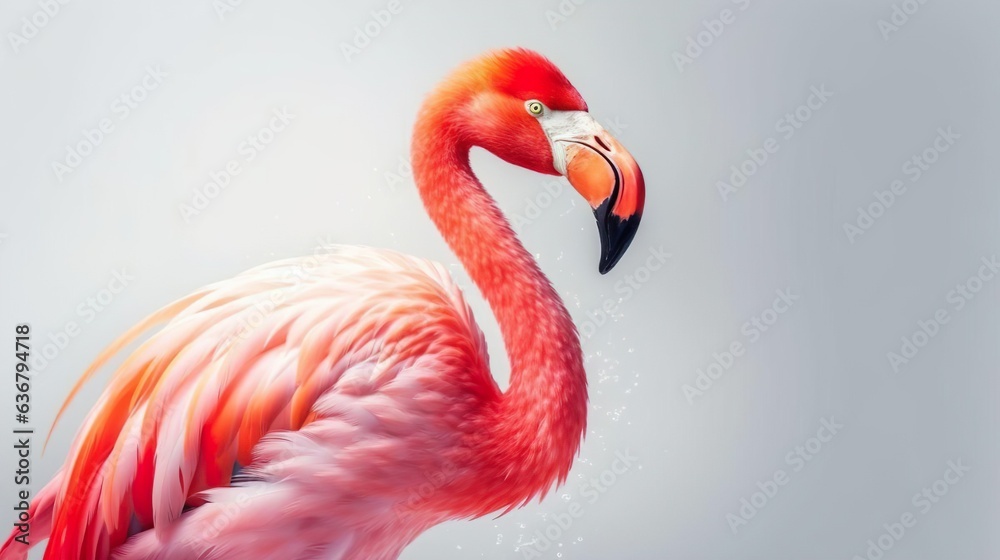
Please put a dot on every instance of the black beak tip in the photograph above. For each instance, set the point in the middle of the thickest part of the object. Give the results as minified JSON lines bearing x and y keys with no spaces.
{"x":616,"y":236}
{"x":608,"y":261}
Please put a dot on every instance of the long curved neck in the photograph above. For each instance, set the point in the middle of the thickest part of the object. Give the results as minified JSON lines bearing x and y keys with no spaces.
{"x":542,"y":415}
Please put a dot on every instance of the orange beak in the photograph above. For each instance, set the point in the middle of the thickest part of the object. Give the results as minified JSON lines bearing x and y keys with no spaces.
{"x":603,"y":171}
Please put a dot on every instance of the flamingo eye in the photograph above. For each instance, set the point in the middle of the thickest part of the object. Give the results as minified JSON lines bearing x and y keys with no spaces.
{"x":535,"y":107}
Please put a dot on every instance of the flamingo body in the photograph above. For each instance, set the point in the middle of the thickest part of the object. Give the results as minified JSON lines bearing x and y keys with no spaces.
{"x":335,"y":407}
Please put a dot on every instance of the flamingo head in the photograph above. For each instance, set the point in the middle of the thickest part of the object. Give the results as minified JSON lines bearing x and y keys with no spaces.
{"x":519,"y":106}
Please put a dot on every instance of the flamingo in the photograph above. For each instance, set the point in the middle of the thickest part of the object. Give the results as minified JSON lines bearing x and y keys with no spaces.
{"x":339,"y":407}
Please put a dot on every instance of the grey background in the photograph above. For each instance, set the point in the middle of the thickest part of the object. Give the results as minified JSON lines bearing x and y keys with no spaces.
{"x":323,"y":178}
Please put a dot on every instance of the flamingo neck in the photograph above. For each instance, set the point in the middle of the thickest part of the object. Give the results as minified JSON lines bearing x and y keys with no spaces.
{"x":537,"y":425}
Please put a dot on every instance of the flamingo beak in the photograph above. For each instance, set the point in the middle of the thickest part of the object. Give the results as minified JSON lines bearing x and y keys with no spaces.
{"x":603,"y":171}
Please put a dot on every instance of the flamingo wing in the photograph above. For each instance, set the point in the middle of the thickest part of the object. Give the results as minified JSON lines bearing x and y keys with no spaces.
{"x":318,"y":391}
